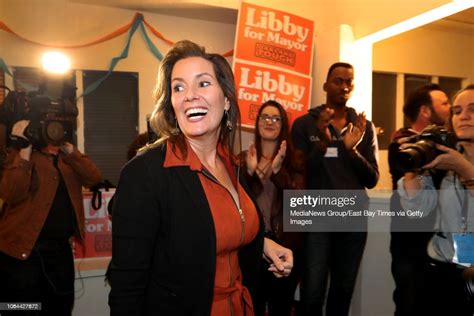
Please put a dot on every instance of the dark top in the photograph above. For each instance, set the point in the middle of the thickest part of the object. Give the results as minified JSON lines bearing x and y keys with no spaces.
{"x":290,"y":177}
{"x":350,"y":170}
{"x":28,"y":189}
{"x":164,"y":243}
{"x":61,"y":221}
{"x":403,"y":241}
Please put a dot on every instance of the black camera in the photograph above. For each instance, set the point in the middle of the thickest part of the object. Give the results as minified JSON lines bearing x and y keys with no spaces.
{"x":50,"y":122}
{"x":422,"y":148}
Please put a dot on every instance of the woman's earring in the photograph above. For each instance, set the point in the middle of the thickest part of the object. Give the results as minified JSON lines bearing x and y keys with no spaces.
{"x":175,"y":131}
{"x":228,"y":122}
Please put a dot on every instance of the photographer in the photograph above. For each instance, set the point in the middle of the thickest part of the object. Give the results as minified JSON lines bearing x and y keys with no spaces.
{"x":450,"y":249}
{"x":425,"y":106}
{"x":42,"y":190}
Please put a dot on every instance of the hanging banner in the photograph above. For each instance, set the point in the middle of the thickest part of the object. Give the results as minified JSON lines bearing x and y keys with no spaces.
{"x":273,"y":60}
{"x":257,"y":84}
{"x":98,"y":229}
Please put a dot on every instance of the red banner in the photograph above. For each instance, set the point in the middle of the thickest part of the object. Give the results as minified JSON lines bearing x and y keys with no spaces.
{"x":257,"y":84}
{"x":273,"y":57}
{"x":98,"y":229}
{"x":275,"y":38}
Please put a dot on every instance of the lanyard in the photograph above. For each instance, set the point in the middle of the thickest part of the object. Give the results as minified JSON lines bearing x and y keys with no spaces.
{"x":464,"y":213}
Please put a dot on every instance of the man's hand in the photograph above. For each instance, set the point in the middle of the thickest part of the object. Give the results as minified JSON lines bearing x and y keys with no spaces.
{"x":67,"y":148}
{"x":354,"y":133}
{"x":323,"y":122}
{"x":279,"y":257}
{"x":19,"y":128}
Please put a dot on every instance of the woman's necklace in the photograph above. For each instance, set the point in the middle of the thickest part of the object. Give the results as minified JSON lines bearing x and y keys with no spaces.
{"x":263,"y":167}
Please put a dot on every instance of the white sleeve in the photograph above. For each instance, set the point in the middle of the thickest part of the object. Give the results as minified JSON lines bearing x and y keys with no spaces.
{"x":425,"y":200}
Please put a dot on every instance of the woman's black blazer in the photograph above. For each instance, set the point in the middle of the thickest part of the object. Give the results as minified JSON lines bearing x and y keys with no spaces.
{"x":164,"y":243}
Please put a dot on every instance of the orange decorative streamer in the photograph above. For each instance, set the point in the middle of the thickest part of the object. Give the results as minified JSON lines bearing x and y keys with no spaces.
{"x":106,"y":37}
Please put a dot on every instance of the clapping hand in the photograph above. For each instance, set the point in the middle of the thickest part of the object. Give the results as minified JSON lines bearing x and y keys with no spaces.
{"x":280,"y":156}
{"x":355,"y":132}
{"x":251,"y":159}
{"x":323,"y":122}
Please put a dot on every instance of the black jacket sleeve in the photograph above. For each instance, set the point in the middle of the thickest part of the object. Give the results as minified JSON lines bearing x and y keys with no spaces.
{"x":301,"y":133}
{"x":135,"y":226}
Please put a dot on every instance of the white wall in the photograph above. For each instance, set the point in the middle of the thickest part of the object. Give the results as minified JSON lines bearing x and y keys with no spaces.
{"x":427,"y":50}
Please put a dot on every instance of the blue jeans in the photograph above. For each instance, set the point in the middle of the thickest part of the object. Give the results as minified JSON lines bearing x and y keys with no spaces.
{"x":46,"y":277}
{"x":335,"y":254}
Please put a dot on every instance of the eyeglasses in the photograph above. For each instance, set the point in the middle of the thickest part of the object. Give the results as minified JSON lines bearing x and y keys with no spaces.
{"x":268,"y":118}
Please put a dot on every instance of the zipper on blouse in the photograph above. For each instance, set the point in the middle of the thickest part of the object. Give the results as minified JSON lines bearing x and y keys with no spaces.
{"x":241,"y":213}
{"x":242,"y":220}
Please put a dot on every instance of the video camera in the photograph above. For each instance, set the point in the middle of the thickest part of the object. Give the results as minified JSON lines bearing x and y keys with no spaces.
{"x":422,"y":149}
{"x":50,"y":122}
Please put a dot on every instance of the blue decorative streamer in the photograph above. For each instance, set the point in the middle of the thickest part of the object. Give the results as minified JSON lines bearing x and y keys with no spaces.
{"x":115,"y":60}
{"x":136,"y":24}
{"x":150,"y":44}
{"x":4,"y":67}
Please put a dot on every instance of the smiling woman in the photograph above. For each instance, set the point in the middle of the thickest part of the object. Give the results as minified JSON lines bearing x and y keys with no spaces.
{"x":183,"y":196}
{"x":271,"y":166}
{"x":198,"y":101}
{"x":450,"y":249}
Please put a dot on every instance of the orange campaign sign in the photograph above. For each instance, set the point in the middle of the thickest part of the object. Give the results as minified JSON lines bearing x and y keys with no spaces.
{"x":274,"y":37}
{"x":257,"y":84}
{"x":98,"y":229}
{"x":272,"y":61}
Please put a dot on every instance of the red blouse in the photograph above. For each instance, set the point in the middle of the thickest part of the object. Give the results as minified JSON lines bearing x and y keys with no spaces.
{"x":234,"y":228}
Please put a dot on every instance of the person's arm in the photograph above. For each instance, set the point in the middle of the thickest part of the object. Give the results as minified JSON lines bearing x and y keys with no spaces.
{"x":313,"y":151}
{"x":291,"y":176}
{"x":83,"y":166}
{"x":417,"y":192}
{"x":363,"y":158}
{"x":395,"y":168}
{"x":135,"y":225}
{"x":16,"y":178}
{"x":279,"y":257}
{"x":453,"y":160}
{"x":249,"y":171}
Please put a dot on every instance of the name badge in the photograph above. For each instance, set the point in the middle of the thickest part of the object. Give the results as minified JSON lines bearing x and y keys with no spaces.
{"x":463,"y":248}
{"x":331,"y":152}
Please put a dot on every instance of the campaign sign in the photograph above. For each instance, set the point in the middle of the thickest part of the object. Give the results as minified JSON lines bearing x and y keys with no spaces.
{"x":98,"y":229}
{"x":257,"y":84}
{"x":274,"y":37}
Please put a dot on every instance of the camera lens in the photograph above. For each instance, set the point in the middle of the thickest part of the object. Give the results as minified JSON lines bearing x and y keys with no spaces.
{"x":55,"y":132}
{"x":417,"y":155}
